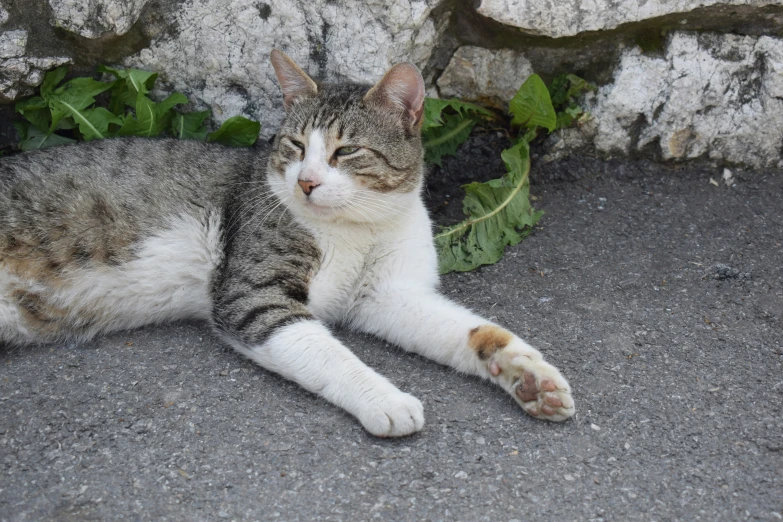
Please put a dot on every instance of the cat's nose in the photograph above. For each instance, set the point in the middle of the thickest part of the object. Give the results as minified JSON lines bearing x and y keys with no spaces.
{"x":307,"y":186}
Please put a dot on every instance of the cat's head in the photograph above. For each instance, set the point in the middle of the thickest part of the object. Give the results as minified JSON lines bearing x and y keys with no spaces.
{"x":346,"y":151}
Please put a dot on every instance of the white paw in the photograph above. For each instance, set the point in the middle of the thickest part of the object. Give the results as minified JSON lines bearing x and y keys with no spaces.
{"x":393,"y":414}
{"x":535,"y":384}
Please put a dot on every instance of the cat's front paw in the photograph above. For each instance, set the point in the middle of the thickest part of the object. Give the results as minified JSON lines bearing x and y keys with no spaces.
{"x":394,"y":414}
{"x":535,"y":384}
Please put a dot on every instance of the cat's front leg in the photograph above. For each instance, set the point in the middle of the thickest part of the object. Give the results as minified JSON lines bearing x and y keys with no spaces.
{"x":306,"y":352}
{"x":424,"y":322}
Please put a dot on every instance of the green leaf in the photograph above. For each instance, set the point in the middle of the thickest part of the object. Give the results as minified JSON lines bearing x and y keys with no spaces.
{"x":532,"y":106}
{"x":52,"y":78}
{"x":33,"y":139}
{"x":120,"y":98}
{"x":446,"y":139}
{"x":447,"y":124}
{"x":172,"y":101}
{"x":83,"y":86}
{"x":434,"y":107}
{"x":578,"y":86}
{"x":137,"y":81}
{"x":94,"y":123}
{"x":499,"y":214}
{"x":76,"y":95}
{"x":563,"y":120}
{"x":149,"y":120}
{"x":236,"y":131}
{"x":190,"y":126}
{"x":35,"y":110}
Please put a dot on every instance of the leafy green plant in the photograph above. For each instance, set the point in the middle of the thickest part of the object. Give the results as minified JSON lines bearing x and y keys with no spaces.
{"x":447,"y":124}
{"x":564,"y":91}
{"x":79,"y":109}
{"x":498,"y":212}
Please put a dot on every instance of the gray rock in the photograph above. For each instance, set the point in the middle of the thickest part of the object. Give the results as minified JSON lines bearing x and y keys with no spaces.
{"x":12,"y":44}
{"x":220,"y":54}
{"x":20,"y":73}
{"x":694,"y":95}
{"x":483,"y":75}
{"x":94,"y":18}
{"x":709,"y":95}
{"x":572,"y":17}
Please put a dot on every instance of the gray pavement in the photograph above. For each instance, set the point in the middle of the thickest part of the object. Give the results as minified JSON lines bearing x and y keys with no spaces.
{"x":659,"y":295}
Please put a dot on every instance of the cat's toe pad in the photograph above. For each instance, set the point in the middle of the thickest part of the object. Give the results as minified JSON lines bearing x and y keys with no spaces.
{"x":393,"y":415}
{"x":535,"y":384}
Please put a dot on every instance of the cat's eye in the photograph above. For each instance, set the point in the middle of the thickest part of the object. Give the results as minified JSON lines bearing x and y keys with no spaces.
{"x":345,"y":151}
{"x":298,"y":144}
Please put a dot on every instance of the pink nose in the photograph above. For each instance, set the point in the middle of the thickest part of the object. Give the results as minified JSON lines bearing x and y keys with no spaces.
{"x":307,"y":186}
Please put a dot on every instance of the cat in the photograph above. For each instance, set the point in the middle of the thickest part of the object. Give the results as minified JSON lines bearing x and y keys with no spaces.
{"x":325,"y":225}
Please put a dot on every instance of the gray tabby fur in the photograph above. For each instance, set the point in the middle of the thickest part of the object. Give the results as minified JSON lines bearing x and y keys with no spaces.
{"x":72,"y":212}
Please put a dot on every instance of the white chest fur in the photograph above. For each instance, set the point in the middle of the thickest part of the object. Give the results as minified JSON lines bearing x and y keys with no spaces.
{"x":359,"y":259}
{"x":347,"y":254}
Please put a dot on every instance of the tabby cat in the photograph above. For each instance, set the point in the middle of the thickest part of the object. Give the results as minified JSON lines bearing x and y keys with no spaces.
{"x":269,"y":245}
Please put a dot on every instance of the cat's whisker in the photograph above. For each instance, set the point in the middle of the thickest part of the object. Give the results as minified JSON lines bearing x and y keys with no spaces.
{"x":356,"y":208}
{"x":264,"y":205}
{"x":375,"y":197}
{"x":380,"y":212}
{"x":269,"y":214}
{"x":243,"y":210}
{"x":368,"y":196}
{"x":358,"y":205}
{"x":251,"y":203}
{"x":382,"y":206}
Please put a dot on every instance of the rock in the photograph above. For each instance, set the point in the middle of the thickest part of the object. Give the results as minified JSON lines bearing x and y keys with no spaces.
{"x":94,"y":18}
{"x":485,"y":76}
{"x":13,"y":44}
{"x":220,"y":53}
{"x":572,"y":17}
{"x":19,"y":73}
{"x":709,"y":95}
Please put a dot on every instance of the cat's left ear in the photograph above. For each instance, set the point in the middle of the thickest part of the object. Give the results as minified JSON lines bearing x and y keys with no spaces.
{"x":293,"y":80}
{"x":402,"y":87}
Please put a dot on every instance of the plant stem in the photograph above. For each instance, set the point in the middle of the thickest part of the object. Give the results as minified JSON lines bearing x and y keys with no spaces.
{"x":470,"y":222}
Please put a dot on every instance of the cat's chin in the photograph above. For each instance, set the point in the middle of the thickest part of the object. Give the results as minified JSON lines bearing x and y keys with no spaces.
{"x":323,"y":210}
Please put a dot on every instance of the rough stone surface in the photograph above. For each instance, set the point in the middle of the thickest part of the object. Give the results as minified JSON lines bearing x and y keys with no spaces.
{"x":558,"y":18}
{"x":677,"y":376}
{"x":20,"y":73}
{"x":713,"y":96}
{"x":484,"y":75}
{"x":95,"y":18}
{"x":712,"y":89}
{"x":220,"y":54}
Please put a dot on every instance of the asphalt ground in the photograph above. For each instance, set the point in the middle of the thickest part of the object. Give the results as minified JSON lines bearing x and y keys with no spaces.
{"x":658,"y":294}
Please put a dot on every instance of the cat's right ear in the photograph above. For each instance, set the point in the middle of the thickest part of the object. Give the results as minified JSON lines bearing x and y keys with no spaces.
{"x":293,"y":81}
{"x":401,"y":88}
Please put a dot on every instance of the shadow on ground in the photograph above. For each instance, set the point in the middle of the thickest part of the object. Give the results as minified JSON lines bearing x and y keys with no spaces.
{"x":658,"y":294}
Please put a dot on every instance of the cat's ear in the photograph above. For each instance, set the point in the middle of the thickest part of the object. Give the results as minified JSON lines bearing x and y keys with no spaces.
{"x":293,"y":81}
{"x":402,"y":87}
